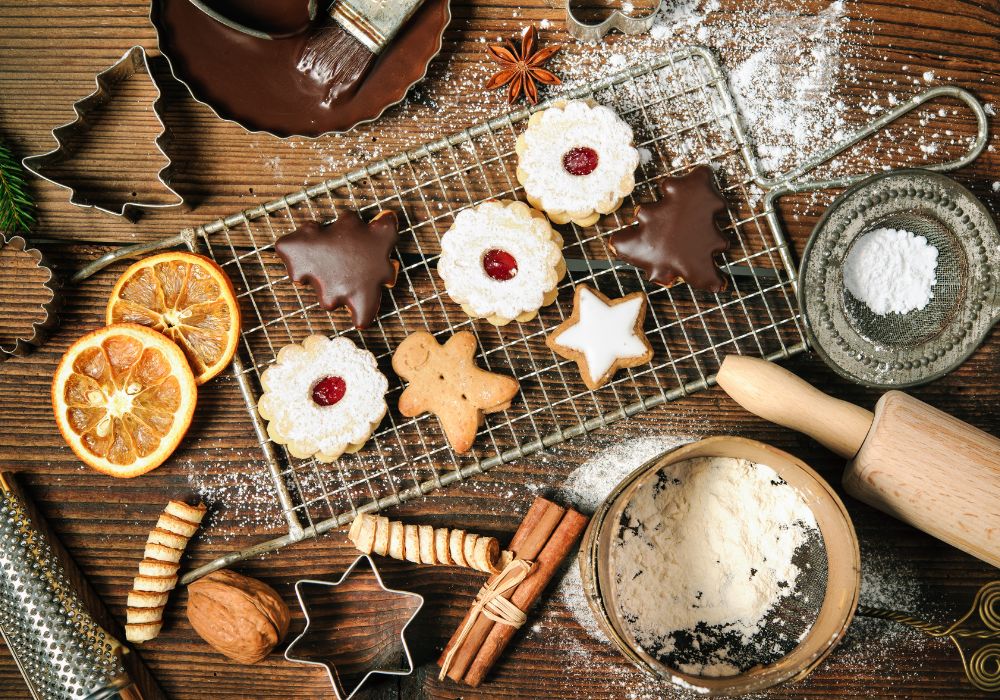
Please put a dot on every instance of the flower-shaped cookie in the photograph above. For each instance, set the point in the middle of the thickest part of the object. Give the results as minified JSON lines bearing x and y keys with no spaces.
{"x":501,"y":260}
{"x":322,"y":398}
{"x":576,"y":161}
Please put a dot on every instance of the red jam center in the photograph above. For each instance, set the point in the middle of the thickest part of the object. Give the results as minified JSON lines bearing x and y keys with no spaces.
{"x":329,"y":390}
{"x":580,"y":161}
{"x":499,"y":264}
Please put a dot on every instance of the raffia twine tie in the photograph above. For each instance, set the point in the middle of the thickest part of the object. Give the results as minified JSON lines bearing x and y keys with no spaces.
{"x":490,"y":601}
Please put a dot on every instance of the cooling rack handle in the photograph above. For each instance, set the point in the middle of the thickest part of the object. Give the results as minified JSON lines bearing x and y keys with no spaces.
{"x":185,"y":237}
{"x":792,"y":181}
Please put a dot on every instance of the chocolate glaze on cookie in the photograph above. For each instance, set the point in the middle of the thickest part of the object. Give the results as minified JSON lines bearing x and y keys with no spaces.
{"x":676,"y":238}
{"x":346,"y":262}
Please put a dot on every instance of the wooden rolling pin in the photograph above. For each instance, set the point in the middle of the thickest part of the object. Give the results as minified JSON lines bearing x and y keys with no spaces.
{"x":907,"y":459}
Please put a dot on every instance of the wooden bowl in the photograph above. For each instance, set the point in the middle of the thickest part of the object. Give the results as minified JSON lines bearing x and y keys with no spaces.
{"x":839,"y":539}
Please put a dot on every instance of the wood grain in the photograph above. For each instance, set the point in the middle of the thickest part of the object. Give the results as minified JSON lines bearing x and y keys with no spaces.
{"x":49,"y":53}
{"x":930,"y":470}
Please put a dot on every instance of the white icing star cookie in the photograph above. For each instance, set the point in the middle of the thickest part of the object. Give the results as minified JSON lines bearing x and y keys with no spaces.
{"x":322,"y":398}
{"x":603,"y":335}
{"x":576,"y":161}
{"x":501,"y":260}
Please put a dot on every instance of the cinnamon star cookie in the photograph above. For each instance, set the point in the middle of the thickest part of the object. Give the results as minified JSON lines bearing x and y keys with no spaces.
{"x":676,"y":238}
{"x":346,"y":262}
{"x":603,"y":335}
{"x":444,"y":380}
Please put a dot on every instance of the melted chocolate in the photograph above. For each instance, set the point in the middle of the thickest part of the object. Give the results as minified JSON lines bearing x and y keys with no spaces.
{"x":256,"y":82}
{"x":676,"y":238}
{"x":346,"y":262}
{"x":278,"y":17}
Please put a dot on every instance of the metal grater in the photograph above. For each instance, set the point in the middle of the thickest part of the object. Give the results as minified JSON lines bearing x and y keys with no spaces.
{"x":61,"y":651}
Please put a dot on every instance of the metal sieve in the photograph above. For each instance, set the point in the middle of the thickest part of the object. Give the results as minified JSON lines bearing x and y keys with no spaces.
{"x":900,"y":350}
{"x":798,"y":633}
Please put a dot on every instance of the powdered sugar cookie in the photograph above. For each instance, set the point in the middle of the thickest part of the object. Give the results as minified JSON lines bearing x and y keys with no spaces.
{"x":501,"y":260}
{"x":603,"y":335}
{"x":576,"y":161}
{"x":322,"y":398}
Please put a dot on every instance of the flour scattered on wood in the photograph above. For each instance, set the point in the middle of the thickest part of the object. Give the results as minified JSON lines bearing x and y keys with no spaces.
{"x":592,"y":481}
{"x":241,"y":499}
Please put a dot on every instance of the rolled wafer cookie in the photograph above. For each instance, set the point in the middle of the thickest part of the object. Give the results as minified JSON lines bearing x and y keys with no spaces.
{"x":423,"y":544}
{"x":411,"y":542}
{"x":139,"y":632}
{"x":158,"y":569}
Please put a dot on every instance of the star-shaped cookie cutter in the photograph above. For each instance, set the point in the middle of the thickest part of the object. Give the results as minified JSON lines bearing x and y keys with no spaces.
{"x":298,"y":650}
{"x":626,"y":24}
{"x":133,"y":62}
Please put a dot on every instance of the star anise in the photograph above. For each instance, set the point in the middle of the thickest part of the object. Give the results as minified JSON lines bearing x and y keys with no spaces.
{"x":522,"y":69}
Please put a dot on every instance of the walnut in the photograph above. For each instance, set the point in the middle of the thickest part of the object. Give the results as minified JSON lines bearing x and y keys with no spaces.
{"x":238,"y":616}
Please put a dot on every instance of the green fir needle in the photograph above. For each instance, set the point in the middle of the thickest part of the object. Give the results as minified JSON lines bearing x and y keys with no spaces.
{"x":17,"y":210}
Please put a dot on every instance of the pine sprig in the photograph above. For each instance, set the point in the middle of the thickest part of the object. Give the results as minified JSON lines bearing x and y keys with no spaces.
{"x":17,"y":210}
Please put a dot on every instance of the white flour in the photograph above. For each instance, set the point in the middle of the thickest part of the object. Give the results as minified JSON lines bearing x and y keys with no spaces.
{"x":708,"y":544}
{"x":891,"y":271}
{"x":593,"y":480}
{"x":586,"y":487}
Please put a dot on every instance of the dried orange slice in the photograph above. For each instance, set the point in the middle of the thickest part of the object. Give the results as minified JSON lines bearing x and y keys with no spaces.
{"x":189,"y":299}
{"x":123,"y":396}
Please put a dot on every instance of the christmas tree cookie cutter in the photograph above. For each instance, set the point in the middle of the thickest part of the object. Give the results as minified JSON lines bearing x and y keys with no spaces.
{"x":133,"y":62}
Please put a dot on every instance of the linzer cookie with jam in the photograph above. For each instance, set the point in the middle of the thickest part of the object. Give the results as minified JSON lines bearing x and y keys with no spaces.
{"x":576,"y":161}
{"x":347,"y":262}
{"x":322,"y":398}
{"x":676,"y":239}
{"x":501,"y":261}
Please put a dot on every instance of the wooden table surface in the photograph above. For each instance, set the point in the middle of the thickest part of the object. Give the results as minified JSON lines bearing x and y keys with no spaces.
{"x":49,"y":53}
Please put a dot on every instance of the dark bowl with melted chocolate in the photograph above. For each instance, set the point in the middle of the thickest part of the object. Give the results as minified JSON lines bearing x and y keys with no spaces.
{"x":254,"y":82}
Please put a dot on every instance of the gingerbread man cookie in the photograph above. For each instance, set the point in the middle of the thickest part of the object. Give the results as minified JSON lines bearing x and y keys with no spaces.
{"x":346,"y":261}
{"x":444,"y":380}
{"x":603,"y":335}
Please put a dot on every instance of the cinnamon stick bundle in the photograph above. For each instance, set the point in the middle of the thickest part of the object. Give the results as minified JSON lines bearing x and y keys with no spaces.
{"x":546,"y":536}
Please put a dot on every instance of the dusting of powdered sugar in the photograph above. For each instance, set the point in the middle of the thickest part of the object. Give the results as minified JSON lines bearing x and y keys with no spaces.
{"x":241,"y":499}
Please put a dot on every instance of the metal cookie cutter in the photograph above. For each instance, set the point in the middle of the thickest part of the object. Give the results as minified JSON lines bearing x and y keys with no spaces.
{"x":352,"y":653}
{"x":624,"y":23}
{"x":36,"y":305}
{"x":133,"y":62}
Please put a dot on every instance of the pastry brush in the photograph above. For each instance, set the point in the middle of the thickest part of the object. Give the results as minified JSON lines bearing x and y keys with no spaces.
{"x":340,"y":52}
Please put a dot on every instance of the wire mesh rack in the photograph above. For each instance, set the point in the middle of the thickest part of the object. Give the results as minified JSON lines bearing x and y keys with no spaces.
{"x":683,"y":115}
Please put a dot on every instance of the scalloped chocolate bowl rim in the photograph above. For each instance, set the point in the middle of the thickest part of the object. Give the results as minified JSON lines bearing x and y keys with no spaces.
{"x":153,"y":19}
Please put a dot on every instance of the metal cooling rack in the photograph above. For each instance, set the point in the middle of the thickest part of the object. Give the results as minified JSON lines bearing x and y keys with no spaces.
{"x":683,"y":115}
